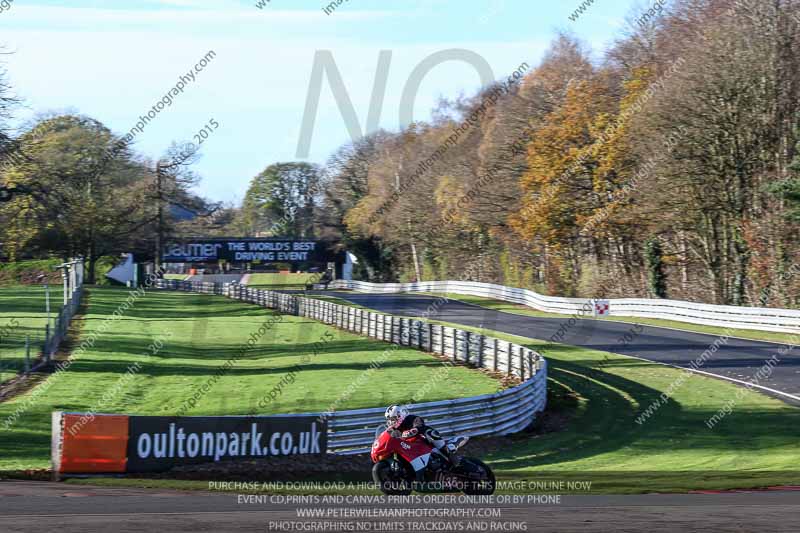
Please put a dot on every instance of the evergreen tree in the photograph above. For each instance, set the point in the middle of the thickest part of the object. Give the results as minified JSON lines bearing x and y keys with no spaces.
{"x":657,"y":278}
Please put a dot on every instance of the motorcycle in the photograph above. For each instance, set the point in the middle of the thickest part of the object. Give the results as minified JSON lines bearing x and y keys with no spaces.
{"x":397,"y":461}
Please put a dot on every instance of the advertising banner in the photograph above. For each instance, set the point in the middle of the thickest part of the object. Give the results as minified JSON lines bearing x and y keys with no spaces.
{"x":93,"y":443}
{"x":249,"y":250}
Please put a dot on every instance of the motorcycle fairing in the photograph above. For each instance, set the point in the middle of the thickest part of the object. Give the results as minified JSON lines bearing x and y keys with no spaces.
{"x":420,"y":462}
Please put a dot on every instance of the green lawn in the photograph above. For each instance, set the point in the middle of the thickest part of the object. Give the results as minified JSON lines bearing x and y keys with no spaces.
{"x":282,"y":281}
{"x":508,"y":307}
{"x":199,"y":334}
{"x":594,"y":399}
{"x":22,"y":313}
{"x":179,"y":277}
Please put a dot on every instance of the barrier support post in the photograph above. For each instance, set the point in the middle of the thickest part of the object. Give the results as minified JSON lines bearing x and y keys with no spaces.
{"x":430,"y":337}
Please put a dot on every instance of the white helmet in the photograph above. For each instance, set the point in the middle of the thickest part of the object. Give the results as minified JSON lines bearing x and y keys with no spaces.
{"x":395,"y":414}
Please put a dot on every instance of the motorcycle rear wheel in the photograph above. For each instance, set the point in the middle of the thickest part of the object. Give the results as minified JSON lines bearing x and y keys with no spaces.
{"x":484,"y":486}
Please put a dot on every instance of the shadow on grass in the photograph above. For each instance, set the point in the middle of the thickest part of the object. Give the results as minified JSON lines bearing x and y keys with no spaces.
{"x":160,"y":370}
{"x":605,"y":422}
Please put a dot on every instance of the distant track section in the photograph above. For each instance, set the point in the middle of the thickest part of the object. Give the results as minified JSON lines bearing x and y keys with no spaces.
{"x":730,"y":358}
{"x":758,"y":318}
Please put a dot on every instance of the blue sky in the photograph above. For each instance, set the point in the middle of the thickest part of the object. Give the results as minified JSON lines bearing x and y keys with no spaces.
{"x":114,"y":59}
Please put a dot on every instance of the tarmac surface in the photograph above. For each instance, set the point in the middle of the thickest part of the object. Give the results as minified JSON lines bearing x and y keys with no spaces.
{"x":46,"y":507}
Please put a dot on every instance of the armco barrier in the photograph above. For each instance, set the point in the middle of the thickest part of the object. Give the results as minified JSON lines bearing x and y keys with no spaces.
{"x":350,"y":432}
{"x":758,"y":318}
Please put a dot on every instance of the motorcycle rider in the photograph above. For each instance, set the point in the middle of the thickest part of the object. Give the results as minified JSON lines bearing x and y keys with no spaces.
{"x":401,"y":424}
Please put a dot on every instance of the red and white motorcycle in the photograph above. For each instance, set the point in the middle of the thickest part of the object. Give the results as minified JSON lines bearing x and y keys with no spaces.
{"x":397,"y":461}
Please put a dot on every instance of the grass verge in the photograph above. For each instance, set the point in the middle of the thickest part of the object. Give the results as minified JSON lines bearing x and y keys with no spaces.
{"x":279,"y":282}
{"x":22,"y":315}
{"x":199,"y":334}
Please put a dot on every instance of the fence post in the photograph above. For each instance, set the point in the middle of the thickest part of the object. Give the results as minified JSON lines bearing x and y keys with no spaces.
{"x":495,"y":355}
{"x":480,"y":351}
{"x":510,"y":357}
{"x":47,"y":343}
{"x":467,"y":338}
{"x":522,"y":362}
{"x":455,"y":346}
{"x":27,"y":353}
{"x":430,"y":337}
{"x":419,"y":335}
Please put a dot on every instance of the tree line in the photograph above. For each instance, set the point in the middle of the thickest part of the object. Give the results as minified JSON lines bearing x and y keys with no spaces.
{"x":665,"y":166}
{"x":70,"y":187}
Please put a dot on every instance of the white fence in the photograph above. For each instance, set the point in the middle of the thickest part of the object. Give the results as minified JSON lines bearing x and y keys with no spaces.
{"x":758,"y":318}
{"x":350,"y":432}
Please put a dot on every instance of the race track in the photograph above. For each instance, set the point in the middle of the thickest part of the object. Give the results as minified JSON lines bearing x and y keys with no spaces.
{"x":31,"y":507}
{"x":735,"y":359}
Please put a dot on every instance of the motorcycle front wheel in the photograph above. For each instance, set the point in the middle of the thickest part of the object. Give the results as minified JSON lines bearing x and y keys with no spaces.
{"x":389,"y":481}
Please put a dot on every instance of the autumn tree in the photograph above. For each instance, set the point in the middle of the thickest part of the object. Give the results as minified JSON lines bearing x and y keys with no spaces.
{"x":82,"y":201}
